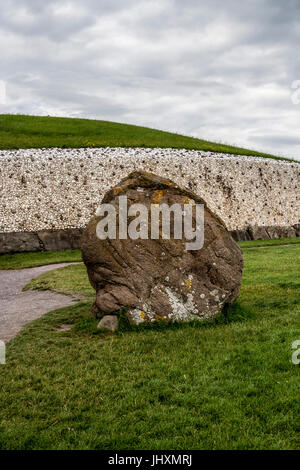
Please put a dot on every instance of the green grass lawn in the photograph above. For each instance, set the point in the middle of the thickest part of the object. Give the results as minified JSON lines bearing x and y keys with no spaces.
{"x":68,"y":280}
{"x":20,"y":131}
{"x":227,"y":384}
{"x":269,"y":242}
{"x":32,"y":260}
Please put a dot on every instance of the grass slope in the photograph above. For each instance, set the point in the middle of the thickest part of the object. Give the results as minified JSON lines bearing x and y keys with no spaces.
{"x":20,"y":131}
{"x":228,"y":384}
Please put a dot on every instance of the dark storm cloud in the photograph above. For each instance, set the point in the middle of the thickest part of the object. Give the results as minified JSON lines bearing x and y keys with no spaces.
{"x":218,"y":70}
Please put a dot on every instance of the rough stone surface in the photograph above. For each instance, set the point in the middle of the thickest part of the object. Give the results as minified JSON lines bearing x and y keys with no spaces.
{"x":258,"y":233}
{"x":240,"y":235}
{"x":109,"y":322}
{"x":160,"y":279}
{"x":296,"y":227}
{"x":59,"y":240}
{"x":281,"y":232}
{"x":44,"y":240}
{"x":19,"y":242}
{"x":44,"y":189}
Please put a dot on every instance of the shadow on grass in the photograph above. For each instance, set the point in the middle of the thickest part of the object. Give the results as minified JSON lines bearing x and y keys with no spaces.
{"x":230,"y":314}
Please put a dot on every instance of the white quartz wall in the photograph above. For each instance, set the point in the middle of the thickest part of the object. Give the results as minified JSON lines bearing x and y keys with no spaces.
{"x":61,"y":188}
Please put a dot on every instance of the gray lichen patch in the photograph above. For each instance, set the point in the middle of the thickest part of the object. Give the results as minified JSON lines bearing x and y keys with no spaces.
{"x":182,"y":310}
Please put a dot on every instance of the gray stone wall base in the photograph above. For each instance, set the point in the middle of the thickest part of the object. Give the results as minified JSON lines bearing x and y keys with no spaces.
{"x":69,"y":239}
{"x":264,"y":233}
{"x":43,"y":240}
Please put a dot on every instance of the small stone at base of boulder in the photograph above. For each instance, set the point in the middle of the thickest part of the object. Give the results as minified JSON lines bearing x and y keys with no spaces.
{"x":109,"y":322}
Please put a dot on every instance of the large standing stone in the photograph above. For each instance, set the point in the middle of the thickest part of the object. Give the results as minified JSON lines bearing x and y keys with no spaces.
{"x":159,"y":279}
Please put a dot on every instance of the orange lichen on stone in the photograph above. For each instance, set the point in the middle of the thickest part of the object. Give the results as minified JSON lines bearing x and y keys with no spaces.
{"x":188,"y":283}
{"x":118,"y":190}
{"x":159,"y":317}
{"x":158,"y":195}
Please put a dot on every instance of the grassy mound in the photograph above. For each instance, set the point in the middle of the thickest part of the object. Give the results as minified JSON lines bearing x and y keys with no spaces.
{"x":20,"y":131}
{"x":226,"y":384}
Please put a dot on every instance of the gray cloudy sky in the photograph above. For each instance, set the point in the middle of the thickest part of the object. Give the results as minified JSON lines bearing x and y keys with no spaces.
{"x":220,"y":70}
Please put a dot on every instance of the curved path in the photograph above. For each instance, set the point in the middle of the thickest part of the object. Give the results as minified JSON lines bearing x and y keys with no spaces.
{"x":18,"y":308}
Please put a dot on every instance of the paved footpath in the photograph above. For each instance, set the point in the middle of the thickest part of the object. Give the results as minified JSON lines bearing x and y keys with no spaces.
{"x":18,"y":308}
